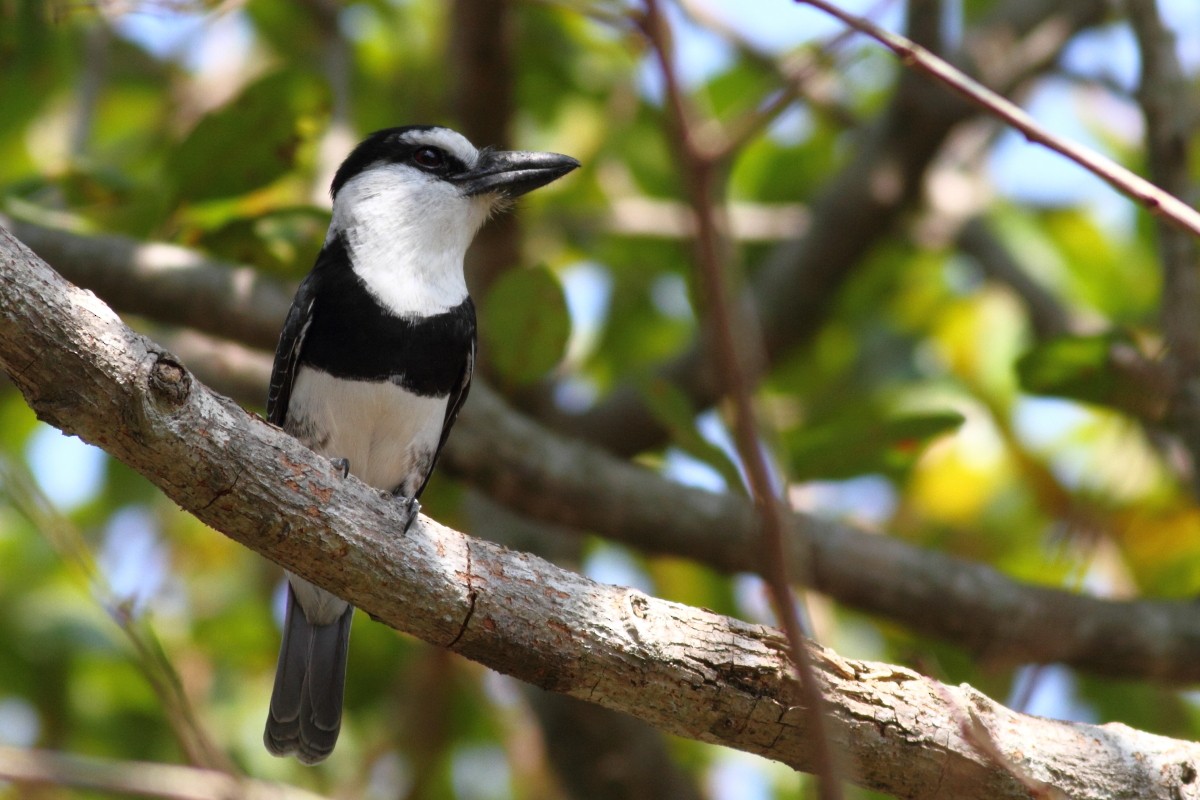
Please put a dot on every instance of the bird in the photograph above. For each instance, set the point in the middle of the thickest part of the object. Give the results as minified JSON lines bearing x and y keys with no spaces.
{"x":374,"y":363}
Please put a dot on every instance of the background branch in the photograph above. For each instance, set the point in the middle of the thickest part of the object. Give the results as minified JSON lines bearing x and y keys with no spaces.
{"x":28,"y":768}
{"x":1167,"y":141}
{"x":1159,"y":202}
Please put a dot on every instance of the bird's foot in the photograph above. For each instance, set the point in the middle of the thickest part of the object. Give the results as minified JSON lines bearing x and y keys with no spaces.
{"x":342,"y":465}
{"x":412,"y":510}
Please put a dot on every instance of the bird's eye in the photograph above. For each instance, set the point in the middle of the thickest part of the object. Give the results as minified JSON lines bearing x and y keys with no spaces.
{"x":429,"y":158}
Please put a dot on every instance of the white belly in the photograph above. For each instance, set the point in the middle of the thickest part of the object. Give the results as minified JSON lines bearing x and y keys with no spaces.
{"x":388,"y":435}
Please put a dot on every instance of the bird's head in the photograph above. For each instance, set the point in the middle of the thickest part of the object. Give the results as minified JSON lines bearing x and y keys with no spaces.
{"x":408,"y":201}
{"x":427,"y":179}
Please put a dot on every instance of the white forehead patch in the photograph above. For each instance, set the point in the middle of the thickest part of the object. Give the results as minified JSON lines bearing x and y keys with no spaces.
{"x":452,"y":142}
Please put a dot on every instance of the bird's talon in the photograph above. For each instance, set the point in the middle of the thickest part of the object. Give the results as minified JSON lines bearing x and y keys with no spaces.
{"x":342,"y":465}
{"x":412,"y":507}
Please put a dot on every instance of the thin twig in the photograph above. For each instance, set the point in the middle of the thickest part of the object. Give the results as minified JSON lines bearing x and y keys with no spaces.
{"x":799,"y":74}
{"x":912,"y":55}
{"x":732,"y":355}
{"x":140,"y":778}
{"x":975,"y":732}
{"x":149,"y":656}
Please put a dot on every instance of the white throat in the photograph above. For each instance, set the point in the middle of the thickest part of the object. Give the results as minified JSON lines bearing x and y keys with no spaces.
{"x":407,"y":234}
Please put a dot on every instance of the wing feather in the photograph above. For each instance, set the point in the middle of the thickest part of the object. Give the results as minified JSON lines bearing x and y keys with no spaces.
{"x":454,"y":403}
{"x":287,"y":353}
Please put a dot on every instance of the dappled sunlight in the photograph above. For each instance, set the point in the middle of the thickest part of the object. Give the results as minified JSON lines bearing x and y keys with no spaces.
{"x":967,"y":362}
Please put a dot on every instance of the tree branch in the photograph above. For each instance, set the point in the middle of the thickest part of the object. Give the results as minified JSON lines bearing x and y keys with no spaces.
{"x":571,"y":483}
{"x":568,"y":482}
{"x":144,"y":779}
{"x":167,"y":282}
{"x":1167,"y":143}
{"x":685,"y":670}
{"x":736,"y":358}
{"x":1158,"y":202}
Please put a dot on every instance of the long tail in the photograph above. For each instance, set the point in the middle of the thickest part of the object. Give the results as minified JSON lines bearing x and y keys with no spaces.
{"x":306,"y":705}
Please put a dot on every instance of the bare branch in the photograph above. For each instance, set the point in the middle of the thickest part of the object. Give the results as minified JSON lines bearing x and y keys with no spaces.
{"x":794,"y":286}
{"x":568,"y":482}
{"x":685,"y":670}
{"x":736,"y":359}
{"x":140,"y":778}
{"x":1164,"y":205}
{"x":1167,"y":141}
{"x":1163,"y":87}
{"x":174,"y":284}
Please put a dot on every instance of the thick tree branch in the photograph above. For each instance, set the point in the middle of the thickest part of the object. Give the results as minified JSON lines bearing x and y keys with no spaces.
{"x":685,"y":670}
{"x":166,"y":282}
{"x":569,"y":482}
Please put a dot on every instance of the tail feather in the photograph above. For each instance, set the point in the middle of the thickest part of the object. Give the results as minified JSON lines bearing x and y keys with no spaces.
{"x":305,"y":715}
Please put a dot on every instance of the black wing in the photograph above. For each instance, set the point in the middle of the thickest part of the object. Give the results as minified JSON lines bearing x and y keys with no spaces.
{"x":287,"y":353}
{"x":454,"y":403}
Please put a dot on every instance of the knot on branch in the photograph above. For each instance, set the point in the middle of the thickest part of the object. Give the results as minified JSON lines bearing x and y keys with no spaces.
{"x":169,"y":379}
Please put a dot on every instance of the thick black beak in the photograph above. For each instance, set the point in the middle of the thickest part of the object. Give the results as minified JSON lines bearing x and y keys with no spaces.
{"x":512,"y":173}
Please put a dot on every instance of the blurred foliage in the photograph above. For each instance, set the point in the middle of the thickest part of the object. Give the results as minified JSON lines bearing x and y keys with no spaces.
{"x":921,"y":407}
{"x":525,"y":325}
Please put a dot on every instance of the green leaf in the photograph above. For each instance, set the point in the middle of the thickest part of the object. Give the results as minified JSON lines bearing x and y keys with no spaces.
{"x":1073,"y":366}
{"x":247,"y":143}
{"x":284,"y":239}
{"x":860,"y":442}
{"x":738,"y":89}
{"x":525,"y":324}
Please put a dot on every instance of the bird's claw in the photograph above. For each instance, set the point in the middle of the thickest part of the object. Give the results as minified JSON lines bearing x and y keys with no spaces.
{"x":342,"y":465}
{"x":412,"y":509}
